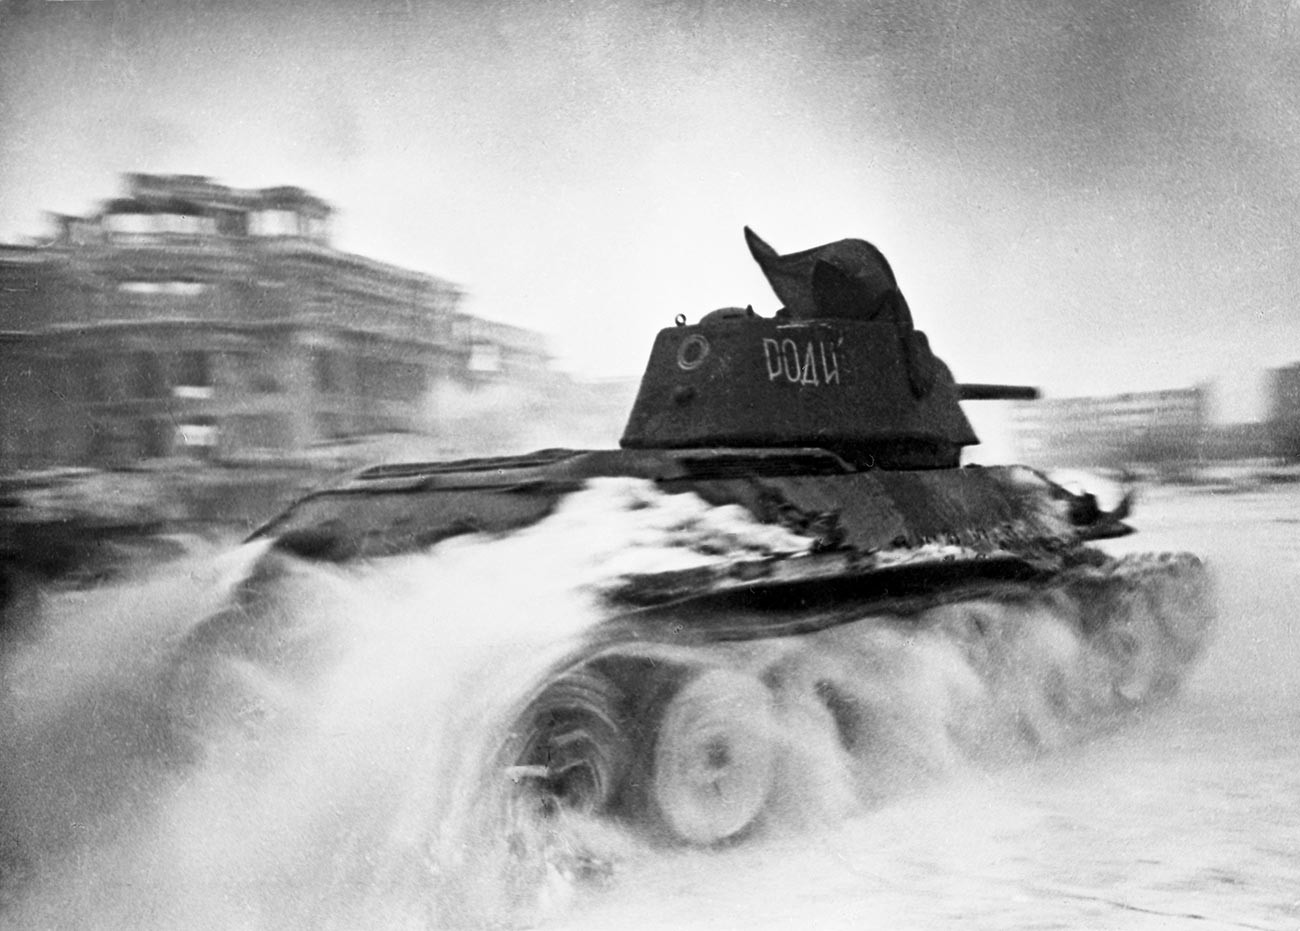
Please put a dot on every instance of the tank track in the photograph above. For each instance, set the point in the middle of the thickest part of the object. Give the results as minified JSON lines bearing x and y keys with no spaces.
{"x":689,"y":742}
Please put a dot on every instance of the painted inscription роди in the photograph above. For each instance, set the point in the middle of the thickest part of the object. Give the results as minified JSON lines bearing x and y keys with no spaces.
{"x":811,"y":363}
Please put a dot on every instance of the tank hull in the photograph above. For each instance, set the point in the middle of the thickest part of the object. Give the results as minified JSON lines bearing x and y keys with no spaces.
{"x":1032,"y":660}
{"x":810,"y":492}
{"x":668,"y":713}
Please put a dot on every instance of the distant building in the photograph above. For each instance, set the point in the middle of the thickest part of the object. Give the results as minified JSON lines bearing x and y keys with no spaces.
{"x":492,"y":352}
{"x":189,"y":318}
{"x":1150,"y":426}
{"x":1236,"y":441}
{"x":1284,"y":411}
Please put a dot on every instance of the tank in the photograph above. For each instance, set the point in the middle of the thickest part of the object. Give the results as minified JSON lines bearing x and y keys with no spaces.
{"x":833,"y":435}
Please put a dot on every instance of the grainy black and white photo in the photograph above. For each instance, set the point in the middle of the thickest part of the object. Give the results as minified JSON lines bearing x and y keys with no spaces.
{"x":650,"y":464}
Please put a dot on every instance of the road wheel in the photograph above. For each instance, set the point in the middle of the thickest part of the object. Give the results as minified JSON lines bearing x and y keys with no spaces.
{"x":1133,"y":647}
{"x":714,"y":756}
{"x":576,"y":742}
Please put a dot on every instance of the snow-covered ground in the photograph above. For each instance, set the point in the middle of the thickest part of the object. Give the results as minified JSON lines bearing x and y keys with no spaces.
{"x":337,"y":805}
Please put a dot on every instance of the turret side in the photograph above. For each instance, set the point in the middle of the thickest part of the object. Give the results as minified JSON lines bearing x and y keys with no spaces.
{"x":841,"y":367}
{"x":866,"y":390}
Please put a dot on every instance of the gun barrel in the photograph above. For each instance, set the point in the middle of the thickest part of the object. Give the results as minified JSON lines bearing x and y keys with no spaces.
{"x":978,"y":392}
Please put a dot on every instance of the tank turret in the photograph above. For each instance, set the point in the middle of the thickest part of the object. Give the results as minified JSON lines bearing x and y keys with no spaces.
{"x":839,"y":367}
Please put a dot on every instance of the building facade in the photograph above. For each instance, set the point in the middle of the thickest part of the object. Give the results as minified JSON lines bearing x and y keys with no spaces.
{"x":1284,"y":412}
{"x":192,"y":319}
{"x":1114,"y":431}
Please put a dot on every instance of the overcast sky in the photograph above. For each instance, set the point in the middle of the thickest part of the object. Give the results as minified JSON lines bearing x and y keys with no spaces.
{"x":1089,"y":195}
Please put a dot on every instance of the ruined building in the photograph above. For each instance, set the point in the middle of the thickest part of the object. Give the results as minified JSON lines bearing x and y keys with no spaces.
{"x":187,"y":318}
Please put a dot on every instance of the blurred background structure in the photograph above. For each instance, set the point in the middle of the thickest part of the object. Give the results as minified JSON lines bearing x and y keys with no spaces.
{"x":1171,"y":431}
{"x":1284,"y":412}
{"x":192,"y":356}
{"x":191,"y":319}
